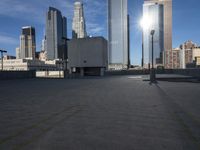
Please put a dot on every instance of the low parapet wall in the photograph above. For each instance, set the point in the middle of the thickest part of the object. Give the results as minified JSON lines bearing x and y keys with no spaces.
{"x":126,"y":72}
{"x":6,"y":75}
{"x":187,"y":72}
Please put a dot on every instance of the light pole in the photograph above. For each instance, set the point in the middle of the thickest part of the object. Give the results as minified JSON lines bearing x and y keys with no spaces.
{"x":145,"y":23}
{"x":65,"y":53}
{"x":142,"y":49}
{"x":2,"y":51}
{"x":152,"y":71}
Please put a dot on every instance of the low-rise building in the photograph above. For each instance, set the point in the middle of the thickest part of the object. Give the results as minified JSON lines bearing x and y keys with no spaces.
{"x":195,"y":53}
{"x":8,"y":57}
{"x":88,"y":56}
{"x":43,"y":56}
{"x":28,"y":64}
{"x":197,"y":60}
{"x":172,"y":58}
{"x":183,"y":57}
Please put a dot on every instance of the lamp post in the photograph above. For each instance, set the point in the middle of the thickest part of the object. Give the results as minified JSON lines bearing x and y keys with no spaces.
{"x":2,"y":51}
{"x":145,"y":23}
{"x":65,"y":53}
{"x":142,"y":49}
{"x":152,"y":71}
{"x":65,"y":57}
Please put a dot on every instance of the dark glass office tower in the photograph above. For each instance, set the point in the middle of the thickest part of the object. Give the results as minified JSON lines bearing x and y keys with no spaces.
{"x":56,"y":33}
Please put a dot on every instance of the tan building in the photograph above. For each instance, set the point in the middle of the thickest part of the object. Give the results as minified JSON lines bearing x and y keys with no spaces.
{"x":196,"y":56}
{"x":172,"y":58}
{"x":188,"y":56}
{"x":8,"y":57}
{"x":196,"y":52}
{"x":43,"y":56}
{"x":27,"y":43}
{"x":187,"y":50}
{"x":197,"y":60}
{"x":188,"y":45}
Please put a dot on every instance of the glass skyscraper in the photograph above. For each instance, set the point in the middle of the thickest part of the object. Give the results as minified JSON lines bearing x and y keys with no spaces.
{"x":155,"y":14}
{"x":167,"y":4}
{"x":55,"y":34}
{"x":118,"y":34}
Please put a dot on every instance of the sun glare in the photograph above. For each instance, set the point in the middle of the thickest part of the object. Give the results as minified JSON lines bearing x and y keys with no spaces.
{"x":146,"y":22}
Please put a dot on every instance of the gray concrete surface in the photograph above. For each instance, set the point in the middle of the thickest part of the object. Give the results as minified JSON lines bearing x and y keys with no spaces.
{"x":112,"y":113}
{"x":11,"y":75}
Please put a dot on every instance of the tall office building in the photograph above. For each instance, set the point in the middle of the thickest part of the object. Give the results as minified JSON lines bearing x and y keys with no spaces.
{"x":27,"y":43}
{"x":117,"y":34}
{"x":78,"y":24}
{"x":155,"y":12}
{"x":167,"y":21}
{"x":55,"y":34}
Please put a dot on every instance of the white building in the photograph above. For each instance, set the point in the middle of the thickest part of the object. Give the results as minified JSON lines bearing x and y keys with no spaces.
{"x":78,"y":24}
{"x":17,"y":53}
{"x":25,"y":65}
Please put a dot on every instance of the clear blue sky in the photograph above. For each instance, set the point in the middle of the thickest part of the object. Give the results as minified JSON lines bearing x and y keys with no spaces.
{"x":18,"y":13}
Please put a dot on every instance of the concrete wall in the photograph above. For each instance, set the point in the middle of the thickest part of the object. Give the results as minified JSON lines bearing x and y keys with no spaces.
{"x":6,"y":75}
{"x":50,"y":74}
{"x":187,"y":72}
{"x":87,"y":52}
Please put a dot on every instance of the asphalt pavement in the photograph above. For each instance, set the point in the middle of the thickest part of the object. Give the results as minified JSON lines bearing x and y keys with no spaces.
{"x":107,"y":113}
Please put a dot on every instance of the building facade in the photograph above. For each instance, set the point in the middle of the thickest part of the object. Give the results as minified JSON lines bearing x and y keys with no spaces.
{"x":171,"y":59}
{"x":43,"y":56}
{"x":186,"y":56}
{"x":78,"y":24}
{"x":8,"y":57}
{"x":117,"y":34}
{"x":56,"y":28}
{"x":17,"y":53}
{"x":88,"y":55}
{"x":155,"y":12}
{"x":27,"y":43}
{"x":167,"y":4}
{"x":26,"y":65}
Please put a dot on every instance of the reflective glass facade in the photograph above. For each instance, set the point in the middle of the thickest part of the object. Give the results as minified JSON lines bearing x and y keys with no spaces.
{"x":118,"y":34}
{"x":155,"y":14}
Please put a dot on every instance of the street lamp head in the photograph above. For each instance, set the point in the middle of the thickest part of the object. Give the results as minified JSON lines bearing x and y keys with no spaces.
{"x":152,"y":32}
{"x":3,"y":51}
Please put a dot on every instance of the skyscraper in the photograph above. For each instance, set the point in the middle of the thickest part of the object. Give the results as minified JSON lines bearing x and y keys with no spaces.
{"x":27,"y":43}
{"x":78,"y":24}
{"x":167,"y":4}
{"x":55,"y":34}
{"x":117,"y":34}
{"x":154,"y":12}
